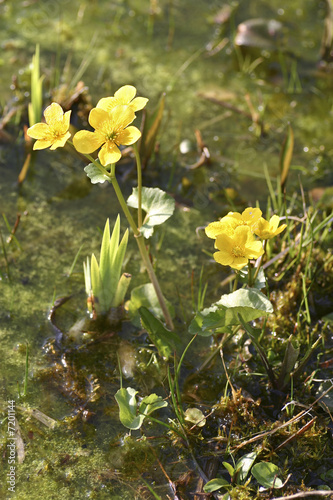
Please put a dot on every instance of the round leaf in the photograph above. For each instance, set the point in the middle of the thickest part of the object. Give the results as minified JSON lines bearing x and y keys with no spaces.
{"x":266,"y":475}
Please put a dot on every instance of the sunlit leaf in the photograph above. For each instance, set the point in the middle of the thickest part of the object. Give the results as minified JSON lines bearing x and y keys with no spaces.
{"x":127,"y":403}
{"x":229,"y":468}
{"x":215,"y":484}
{"x":95,"y":174}
{"x":286,"y":156}
{"x":250,"y":304}
{"x":96,"y":283}
{"x":266,"y":475}
{"x":195,"y":416}
{"x":243,"y":466}
{"x":151,"y":403}
{"x":157,"y":204}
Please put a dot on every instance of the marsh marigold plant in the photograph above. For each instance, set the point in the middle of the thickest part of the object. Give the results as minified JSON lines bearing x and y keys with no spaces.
{"x":54,"y":133}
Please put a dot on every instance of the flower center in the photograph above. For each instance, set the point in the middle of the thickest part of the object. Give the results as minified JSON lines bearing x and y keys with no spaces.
{"x":238,"y":251}
{"x":112,"y":136}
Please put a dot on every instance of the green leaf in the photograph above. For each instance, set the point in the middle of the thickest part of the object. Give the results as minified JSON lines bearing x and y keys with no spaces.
{"x":286,"y":156}
{"x":229,"y":468}
{"x":290,"y":357}
{"x":195,"y":416}
{"x":96,"y":284}
{"x":215,"y":484}
{"x":145,"y":295}
{"x":157,"y":204}
{"x":127,"y":403}
{"x":250,"y":304}
{"x":104,"y":262}
{"x":106,"y":275}
{"x":96,"y":174}
{"x":151,"y":127}
{"x":122,"y":287}
{"x":243,"y":466}
{"x":266,"y":475}
{"x":151,"y":403}
{"x":260,"y":281}
{"x":163,"y":339}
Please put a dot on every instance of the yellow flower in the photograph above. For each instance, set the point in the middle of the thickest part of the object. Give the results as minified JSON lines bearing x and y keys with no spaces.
{"x":268,"y":229}
{"x":54,"y":133}
{"x":226,"y":225}
{"x":111,"y":131}
{"x":124,"y":96}
{"x":236,"y":250}
{"x":232,"y":220}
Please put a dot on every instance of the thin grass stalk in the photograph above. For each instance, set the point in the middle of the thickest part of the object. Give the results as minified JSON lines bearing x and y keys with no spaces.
{"x":139,"y":176}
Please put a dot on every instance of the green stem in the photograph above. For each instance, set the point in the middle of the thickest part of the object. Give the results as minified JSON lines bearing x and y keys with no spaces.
{"x":259,"y":262}
{"x":153,"y":279}
{"x":122,"y":201}
{"x":142,"y":248}
{"x":139,"y":170}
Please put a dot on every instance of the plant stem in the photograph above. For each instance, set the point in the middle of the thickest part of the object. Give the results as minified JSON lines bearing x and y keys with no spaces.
{"x":142,"y":248}
{"x":139,"y":170}
{"x":122,"y":201}
{"x":153,"y":279}
{"x":259,"y":262}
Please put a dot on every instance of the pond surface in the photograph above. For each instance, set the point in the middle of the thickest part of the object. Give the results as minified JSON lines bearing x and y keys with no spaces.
{"x":186,"y":50}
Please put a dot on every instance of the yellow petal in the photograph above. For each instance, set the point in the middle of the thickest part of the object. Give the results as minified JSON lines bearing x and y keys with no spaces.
{"x":121,"y":116}
{"x":241,"y":235}
{"x":224,"y":243}
{"x":224,"y":258}
{"x":42,"y":144}
{"x":66,"y":120}
{"x":138,"y":103}
{"x":109,"y":154}
{"x":38,"y":131}
{"x":234,"y":215}
{"x":53,"y":113}
{"x":239,"y":263}
{"x":128,"y":136}
{"x":251,"y":215}
{"x":98,"y":117}
{"x":254,"y":250}
{"x":274,"y":221}
{"x":107,"y":103}
{"x":87,"y":142}
{"x":125,"y":94}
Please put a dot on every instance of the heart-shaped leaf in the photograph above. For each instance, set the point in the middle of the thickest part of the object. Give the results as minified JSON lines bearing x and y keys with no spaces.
{"x":157,"y":204}
{"x":95,"y":173}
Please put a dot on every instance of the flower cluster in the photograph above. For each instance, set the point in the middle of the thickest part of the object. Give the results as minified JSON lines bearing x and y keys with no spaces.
{"x":234,"y":236}
{"x":111,"y":120}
